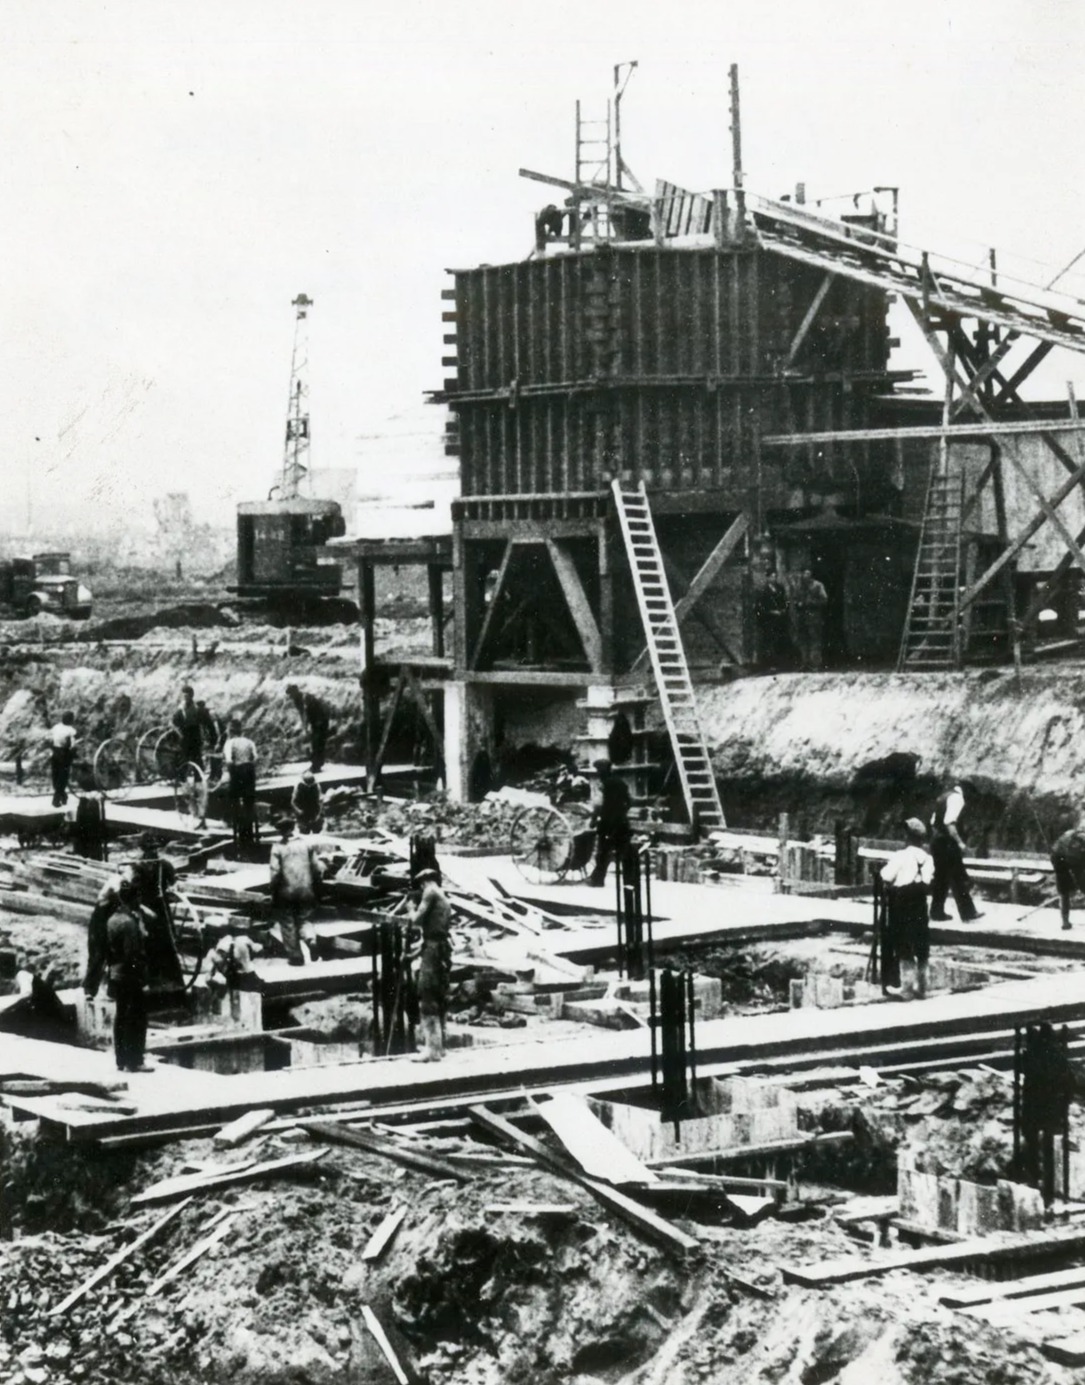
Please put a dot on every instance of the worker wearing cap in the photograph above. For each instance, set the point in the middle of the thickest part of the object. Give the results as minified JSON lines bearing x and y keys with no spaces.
{"x":61,"y":756}
{"x":610,"y":820}
{"x":307,"y":804}
{"x":947,"y":849}
{"x":431,"y":945}
{"x":117,"y":944}
{"x":907,"y":877}
{"x":1068,"y":858}
{"x":314,"y":717}
{"x":295,"y":881}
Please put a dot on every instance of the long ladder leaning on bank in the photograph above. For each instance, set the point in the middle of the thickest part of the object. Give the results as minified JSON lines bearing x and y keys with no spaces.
{"x":932,"y":631}
{"x":668,"y":657}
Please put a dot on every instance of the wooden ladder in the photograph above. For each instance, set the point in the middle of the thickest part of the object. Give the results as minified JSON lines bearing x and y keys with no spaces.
{"x":932,"y":630}
{"x":668,"y":658}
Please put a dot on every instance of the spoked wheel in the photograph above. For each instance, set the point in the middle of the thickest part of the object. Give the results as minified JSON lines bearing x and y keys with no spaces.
{"x":541,"y":843}
{"x":188,"y":939}
{"x":168,"y":756}
{"x":190,"y":792}
{"x":114,"y":765}
{"x":147,"y":766}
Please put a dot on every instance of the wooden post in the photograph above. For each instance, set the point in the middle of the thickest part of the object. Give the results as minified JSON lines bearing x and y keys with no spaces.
{"x":782,"y":886}
{"x":437,"y":609}
{"x":370,"y":692}
{"x":606,"y":600}
{"x":736,"y":156}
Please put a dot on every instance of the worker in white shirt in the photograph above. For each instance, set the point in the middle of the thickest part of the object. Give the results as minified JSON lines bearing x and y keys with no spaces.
{"x":239,"y":763}
{"x":61,"y":756}
{"x":948,"y":848}
{"x":907,"y":877}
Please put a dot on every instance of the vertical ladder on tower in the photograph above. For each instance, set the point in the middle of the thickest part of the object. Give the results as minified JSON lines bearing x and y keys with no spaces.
{"x":594,"y":159}
{"x":668,"y":657}
{"x":932,"y":630}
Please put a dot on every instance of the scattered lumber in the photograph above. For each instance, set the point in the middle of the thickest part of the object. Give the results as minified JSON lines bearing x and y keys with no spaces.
{"x":1003,"y":1312}
{"x":380,"y":1336}
{"x":220,"y":1232}
{"x":1014,"y":1288}
{"x":633,"y":1212}
{"x":1067,"y":1351}
{"x":984,"y":1249}
{"x":375,"y":1144}
{"x":381,"y":1239}
{"x":533,"y":1209}
{"x":725,"y":1180}
{"x":125,"y":1253}
{"x":207,"y":1182}
{"x":238,"y":1131}
{"x":598,"y":1152}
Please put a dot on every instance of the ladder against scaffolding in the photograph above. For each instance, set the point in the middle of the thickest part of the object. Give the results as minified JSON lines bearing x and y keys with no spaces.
{"x":932,"y":631}
{"x":668,"y":657}
{"x":594,"y":164}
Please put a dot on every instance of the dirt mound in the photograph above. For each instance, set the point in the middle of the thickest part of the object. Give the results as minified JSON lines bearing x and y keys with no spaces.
{"x":192,"y":616}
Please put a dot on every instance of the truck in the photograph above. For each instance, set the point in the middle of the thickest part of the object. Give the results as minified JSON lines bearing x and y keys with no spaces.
{"x":43,"y":583}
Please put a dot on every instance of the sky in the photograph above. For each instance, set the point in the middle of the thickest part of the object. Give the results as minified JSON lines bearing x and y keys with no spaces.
{"x":173,"y":174}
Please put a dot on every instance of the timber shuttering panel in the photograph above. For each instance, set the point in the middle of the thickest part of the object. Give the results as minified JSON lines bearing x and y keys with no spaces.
{"x":661,"y":364}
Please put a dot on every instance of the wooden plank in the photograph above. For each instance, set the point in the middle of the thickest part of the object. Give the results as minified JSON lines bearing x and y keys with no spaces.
{"x":495,"y":596}
{"x":579,"y":606}
{"x":380,"y":1336}
{"x":100,"y":1275}
{"x":641,"y":1218}
{"x":238,"y":1131}
{"x":598,"y":1152}
{"x":532,"y":1209}
{"x":382,"y":1237}
{"x":951,"y":431}
{"x":373,"y":1144}
{"x":1067,"y":1351}
{"x":1014,"y":1288}
{"x":1003,"y":1312}
{"x":208,"y":1182}
{"x":221,"y":1231}
{"x":808,"y":318}
{"x":981,"y":1248}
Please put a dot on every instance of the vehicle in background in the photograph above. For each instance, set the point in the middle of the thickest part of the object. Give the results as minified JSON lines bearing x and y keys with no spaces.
{"x":279,"y":548}
{"x":43,"y":583}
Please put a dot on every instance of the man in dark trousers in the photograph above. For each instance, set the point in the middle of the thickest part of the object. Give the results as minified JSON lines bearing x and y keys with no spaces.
{"x":125,"y":959}
{"x":314,"y":717}
{"x":907,"y":877}
{"x":611,"y":820}
{"x":1068,"y":858}
{"x":155,"y":880}
{"x":432,"y":946}
{"x":61,"y":756}
{"x":239,"y":762}
{"x":947,"y":849}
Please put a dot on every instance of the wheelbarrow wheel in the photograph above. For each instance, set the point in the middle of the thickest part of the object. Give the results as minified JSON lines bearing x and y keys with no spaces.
{"x":190,"y":793}
{"x":541,"y":844}
{"x":114,"y":765}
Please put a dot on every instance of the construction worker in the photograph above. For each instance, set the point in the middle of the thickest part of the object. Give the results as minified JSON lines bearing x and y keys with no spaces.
{"x":431,"y":945}
{"x":61,"y":756}
{"x":125,"y":957}
{"x":295,"y":883}
{"x":307,"y":804}
{"x":210,"y":738}
{"x":314,"y":717}
{"x":155,"y":881}
{"x":1068,"y":858}
{"x":230,"y":963}
{"x":105,"y":906}
{"x":808,"y":603}
{"x":610,"y":820}
{"x":907,"y":877}
{"x":189,"y":723}
{"x":239,"y":763}
{"x":947,"y":849}
{"x":86,"y":818}
{"x":771,"y":613}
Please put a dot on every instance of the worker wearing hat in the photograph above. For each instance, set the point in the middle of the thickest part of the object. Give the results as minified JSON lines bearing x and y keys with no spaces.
{"x":307,"y":804}
{"x":431,"y":945}
{"x":156,"y":889}
{"x":315,"y":719}
{"x":907,"y":877}
{"x":610,"y":820}
{"x":296,"y":872}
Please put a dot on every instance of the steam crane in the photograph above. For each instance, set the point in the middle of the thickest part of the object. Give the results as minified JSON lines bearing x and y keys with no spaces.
{"x":279,"y":539}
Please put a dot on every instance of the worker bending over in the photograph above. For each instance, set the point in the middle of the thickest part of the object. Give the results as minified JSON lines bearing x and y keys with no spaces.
{"x":1068,"y":858}
{"x":295,"y":883}
{"x":907,"y":876}
{"x":432,"y":946}
{"x":307,"y":804}
{"x":314,"y":717}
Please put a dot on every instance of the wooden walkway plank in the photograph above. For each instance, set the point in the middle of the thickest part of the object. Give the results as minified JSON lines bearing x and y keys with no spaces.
{"x":598,"y":1152}
{"x":1004,"y":1311}
{"x":1014,"y":1288}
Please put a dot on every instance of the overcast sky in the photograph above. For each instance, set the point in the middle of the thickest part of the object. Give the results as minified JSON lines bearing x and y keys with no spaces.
{"x":175,"y":173}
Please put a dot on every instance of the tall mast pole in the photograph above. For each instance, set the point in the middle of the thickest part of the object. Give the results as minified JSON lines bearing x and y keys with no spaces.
{"x":736,"y":149}
{"x":296,"y":449}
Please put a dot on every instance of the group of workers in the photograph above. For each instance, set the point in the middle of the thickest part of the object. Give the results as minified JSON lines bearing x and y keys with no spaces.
{"x":789,"y":612}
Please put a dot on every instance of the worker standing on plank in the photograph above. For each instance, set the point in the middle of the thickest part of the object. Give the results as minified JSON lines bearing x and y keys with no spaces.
{"x":295,"y":884}
{"x":210,"y":738}
{"x":948,"y":848}
{"x":431,"y":944}
{"x":907,"y":876}
{"x":307,"y":804}
{"x":1068,"y":858}
{"x":124,"y":954}
{"x":190,"y":726}
{"x":314,"y":717}
{"x":105,"y":906}
{"x":610,"y":820}
{"x":155,"y":882}
{"x":239,"y":763}
{"x":61,"y":756}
